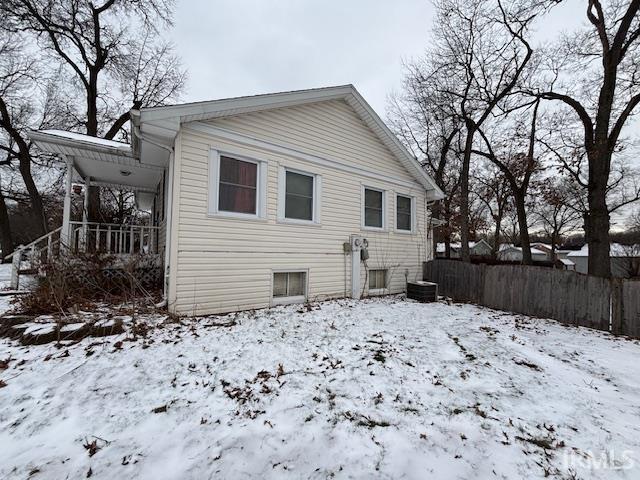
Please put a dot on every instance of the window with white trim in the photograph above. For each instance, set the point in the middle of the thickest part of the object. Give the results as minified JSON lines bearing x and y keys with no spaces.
{"x":377,"y":279}
{"x":237,"y":186}
{"x":299,"y":194}
{"x":289,"y":284}
{"x":373,"y":208}
{"x":404,"y":213}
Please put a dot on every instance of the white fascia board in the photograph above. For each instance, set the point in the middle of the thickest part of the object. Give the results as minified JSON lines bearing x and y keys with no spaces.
{"x":189,"y":112}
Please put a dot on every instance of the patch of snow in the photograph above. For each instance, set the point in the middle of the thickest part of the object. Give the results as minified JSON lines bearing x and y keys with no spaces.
{"x":615,"y":250}
{"x":105,"y":323}
{"x":87,"y":139}
{"x":40,"y":328}
{"x":71,"y":327}
{"x":382,"y":388}
{"x":5,"y":275}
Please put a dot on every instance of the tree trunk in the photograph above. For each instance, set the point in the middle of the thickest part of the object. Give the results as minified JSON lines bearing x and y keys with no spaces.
{"x":436,"y":210}
{"x":37,"y":207}
{"x":496,"y":237}
{"x":6,"y":240}
{"x":464,"y":193}
{"x":93,"y":210}
{"x":525,"y":244}
{"x":597,"y":221}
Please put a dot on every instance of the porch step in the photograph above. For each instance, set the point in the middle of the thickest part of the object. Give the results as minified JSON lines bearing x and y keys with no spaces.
{"x":7,"y":293}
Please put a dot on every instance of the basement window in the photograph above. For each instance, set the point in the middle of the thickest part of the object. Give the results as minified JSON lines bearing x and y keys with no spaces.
{"x":377,"y":280}
{"x":289,"y":287}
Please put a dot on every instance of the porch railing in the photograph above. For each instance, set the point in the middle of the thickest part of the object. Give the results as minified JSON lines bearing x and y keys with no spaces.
{"x":112,"y":238}
{"x":25,"y":258}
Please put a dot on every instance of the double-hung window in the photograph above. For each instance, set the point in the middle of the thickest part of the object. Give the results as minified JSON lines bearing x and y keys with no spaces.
{"x":298,"y":203}
{"x":236,"y":186}
{"x":299,"y":196}
{"x":373,"y":208}
{"x":404,"y":213}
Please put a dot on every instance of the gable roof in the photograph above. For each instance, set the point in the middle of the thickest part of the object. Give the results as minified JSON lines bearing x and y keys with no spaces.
{"x":164,"y":122}
{"x":616,"y":250}
{"x":440,"y":247}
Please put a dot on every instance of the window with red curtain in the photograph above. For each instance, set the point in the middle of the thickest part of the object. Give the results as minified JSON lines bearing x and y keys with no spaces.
{"x":238,"y":186}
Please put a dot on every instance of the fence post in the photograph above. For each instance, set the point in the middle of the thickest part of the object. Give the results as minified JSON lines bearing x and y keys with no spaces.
{"x":617,"y":307}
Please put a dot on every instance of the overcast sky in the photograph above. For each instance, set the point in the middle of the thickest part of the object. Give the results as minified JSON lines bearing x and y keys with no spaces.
{"x":244,"y":47}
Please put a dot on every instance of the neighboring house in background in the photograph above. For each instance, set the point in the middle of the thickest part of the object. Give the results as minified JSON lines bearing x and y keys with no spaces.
{"x":559,"y":256}
{"x":262,"y":200}
{"x":544,"y":247}
{"x":625,"y":260}
{"x":511,"y":253}
{"x":568,"y":264}
{"x":476,"y":249}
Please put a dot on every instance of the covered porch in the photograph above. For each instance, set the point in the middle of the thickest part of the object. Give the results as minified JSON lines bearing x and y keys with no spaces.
{"x":93,"y":162}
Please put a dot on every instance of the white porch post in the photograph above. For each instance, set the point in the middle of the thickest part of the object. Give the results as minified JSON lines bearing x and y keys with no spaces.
{"x":85,"y":214}
{"x":66,"y":211}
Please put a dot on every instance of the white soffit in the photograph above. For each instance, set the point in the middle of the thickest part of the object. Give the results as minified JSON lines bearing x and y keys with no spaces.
{"x":106,"y":162}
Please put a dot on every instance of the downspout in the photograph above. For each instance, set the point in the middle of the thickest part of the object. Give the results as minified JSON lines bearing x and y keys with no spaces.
{"x":167,"y":233}
{"x":169,"y":207}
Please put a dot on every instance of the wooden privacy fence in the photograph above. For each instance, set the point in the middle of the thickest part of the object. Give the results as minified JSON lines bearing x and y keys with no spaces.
{"x":569,"y":297}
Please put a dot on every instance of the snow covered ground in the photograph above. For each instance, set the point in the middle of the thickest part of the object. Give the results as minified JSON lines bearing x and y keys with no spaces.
{"x":5,"y":281}
{"x":382,"y":388}
{"x":5,"y":275}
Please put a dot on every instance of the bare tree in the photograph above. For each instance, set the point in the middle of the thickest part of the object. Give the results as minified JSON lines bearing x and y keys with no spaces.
{"x":115,"y":68}
{"x":563,"y":141}
{"x":482,"y":51}
{"x":17,"y":76}
{"x":518,"y":162}
{"x":557,"y":211}
{"x":595,"y":73}
{"x":634,"y":223}
{"x":424,"y":122}
{"x":494,"y":191}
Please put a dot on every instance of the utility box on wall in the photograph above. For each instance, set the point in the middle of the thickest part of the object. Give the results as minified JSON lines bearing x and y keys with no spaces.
{"x":422,"y":291}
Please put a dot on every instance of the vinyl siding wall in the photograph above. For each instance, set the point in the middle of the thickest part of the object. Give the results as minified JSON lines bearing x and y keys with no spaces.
{"x":225,"y":264}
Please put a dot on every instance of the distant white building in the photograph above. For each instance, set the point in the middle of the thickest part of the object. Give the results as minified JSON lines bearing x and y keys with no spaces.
{"x":476,"y":249}
{"x":560,"y":255}
{"x":625,"y":260}
{"x":511,"y":253}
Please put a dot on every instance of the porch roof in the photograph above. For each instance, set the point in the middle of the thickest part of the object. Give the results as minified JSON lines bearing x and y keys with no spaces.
{"x":102,"y":162}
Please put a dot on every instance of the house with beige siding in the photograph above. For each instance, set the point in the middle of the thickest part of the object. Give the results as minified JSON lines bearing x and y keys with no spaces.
{"x":262,"y":200}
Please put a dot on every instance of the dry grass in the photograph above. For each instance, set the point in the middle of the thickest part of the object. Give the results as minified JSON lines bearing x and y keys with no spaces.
{"x":75,"y":281}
